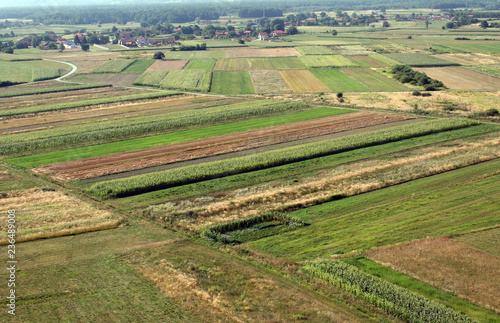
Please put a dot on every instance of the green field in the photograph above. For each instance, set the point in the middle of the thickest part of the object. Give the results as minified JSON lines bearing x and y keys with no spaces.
{"x":200,"y":64}
{"x":493,"y":70}
{"x":139,"y":66}
{"x":318,"y":61}
{"x":338,"y":81}
{"x":314,"y":50}
{"x":454,"y":202}
{"x":259,"y":63}
{"x":420,"y":60}
{"x":26,"y":71}
{"x":196,"y":54}
{"x":113,"y":66}
{"x":232,"y":82}
{"x":374,"y":80}
{"x":189,"y":80}
{"x":151,"y":78}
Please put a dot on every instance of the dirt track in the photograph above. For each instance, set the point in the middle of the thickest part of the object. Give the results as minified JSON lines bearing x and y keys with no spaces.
{"x":214,"y":146}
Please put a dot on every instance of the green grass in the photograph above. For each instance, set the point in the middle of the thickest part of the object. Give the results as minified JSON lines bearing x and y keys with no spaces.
{"x":189,"y":80}
{"x":338,"y":81}
{"x":51,"y":90}
{"x":314,"y":50}
{"x":493,"y":70}
{"x":420,"y":60}
{"x":259,"y":63}
{"x":422,"y":289}
{"x":113,"y":66}
{"x":40,"y":74}
{"x":232,"y":82}
{"x":374,"y":80}
{"x":196,"y":54}
{"x":151,"y":78}
{"x":16,"y":57}
{"x":139,"y":66}
{"x":449,"y":203}
{"x":318,"y":61}
{"x":226,"y":167}
{"x":26,"y":71}
{"x":308,"y":168}
{"x":475,"y":47}
{"x":170,"y":138}
{"x":200,"y":64}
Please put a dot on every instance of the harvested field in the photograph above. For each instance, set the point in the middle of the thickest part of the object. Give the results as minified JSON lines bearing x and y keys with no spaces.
{"x":470,"y":59}
{"x":367,"y":61}
{"x":86,"y":66}
{"x":301,"y":81}
{"x":196,"y":54}
{"x":44,"y":213}
{"x":448,"y":265}
{"x":105,"y":111}
{"x":117,"y":163}
{"x":315,"y":50}
{"x":261,"y":52}
{"x":268,"y":81}
{"x":458,"y":78}
{"x":167,"y":65}
{"x":62,"y":97}
{"x":351,"y":50}
{"x":266,"y":63}
{"x":318,"y":61}
{"x":105,"y":78}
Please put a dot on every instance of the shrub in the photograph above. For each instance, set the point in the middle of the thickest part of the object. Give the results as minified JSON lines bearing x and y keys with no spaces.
{"x":340,"y":94}
{"x":492,"y":112}
{"x":426,"y":94}
{"x":416,"y":93}
{"x":158,"y":55}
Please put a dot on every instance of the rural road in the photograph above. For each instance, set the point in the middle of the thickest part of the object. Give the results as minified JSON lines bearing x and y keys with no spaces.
{"x":73,"y":70}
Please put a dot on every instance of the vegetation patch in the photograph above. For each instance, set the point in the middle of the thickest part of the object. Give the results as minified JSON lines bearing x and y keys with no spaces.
{"x":405,"y":74}
{"x":392,"y":298}
{"x":421,"y":60}
{"x":113,"y":66}
{"x":338,"y":81}
{"x":373,"y":80}
{"x":139,"y":66}
{"x":232,"y":82}
{"x":151,"y":78}
{"x":268,"y":81}
{"x":188,"y":80}
{"x":303,"y":81}
{"x":319,"y":61}
{"x":52,"y":89}
{"x":196,"y":54}
{"x":200,"y":64}
{"x":492,"y":70}
{"x":314,"y":50}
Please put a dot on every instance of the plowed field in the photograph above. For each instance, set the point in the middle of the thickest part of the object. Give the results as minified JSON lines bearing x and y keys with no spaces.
{"x":138,"y":159}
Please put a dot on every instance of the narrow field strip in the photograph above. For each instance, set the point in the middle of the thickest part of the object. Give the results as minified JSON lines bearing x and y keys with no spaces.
{"x":373,"y":80}
{"x":71,"y":105}
{"x":145,"y":125}
{"x":63,"y":88}
{"x":191,"y":174}
{"x":118,"y":163}
{"x":303,"y":81}
{"x":338,"y":81}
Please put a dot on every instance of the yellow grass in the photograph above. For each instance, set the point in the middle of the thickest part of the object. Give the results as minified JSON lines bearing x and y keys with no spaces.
{"x":261,"y":52}
{"x":468,"y":273}
{"x":44,"y":214}
{"x":301,"y":81}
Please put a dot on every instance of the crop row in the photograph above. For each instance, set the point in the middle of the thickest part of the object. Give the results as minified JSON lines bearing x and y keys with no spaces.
{"x":195,"y":173}
{"x":188,"y":80}
{"x":123,"y":129}
{"x":47,"y":73}
{"x":63,"y":88}
{"x":78,"y":104}
{"x":151,"y":78}
{"x":114,"y":66}
{"x":420,"y":60}
{"x":318,"y":61}
{"x":394,"y":299}
{"x":216,"y":232}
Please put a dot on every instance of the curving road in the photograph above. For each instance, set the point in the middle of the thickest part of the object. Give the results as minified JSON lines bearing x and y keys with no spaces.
{"x":73,"y":70}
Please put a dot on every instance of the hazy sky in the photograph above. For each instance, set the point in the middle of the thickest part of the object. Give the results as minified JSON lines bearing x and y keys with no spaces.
{"x":55,"y":3}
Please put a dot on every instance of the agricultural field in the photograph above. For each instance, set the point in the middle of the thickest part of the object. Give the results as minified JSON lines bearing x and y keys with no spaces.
{"x":459,"y":78}
{"x":188,"y":80}
{"x":285,"y":180}
{"x":232,"y":82}
{"x":301,"y":81}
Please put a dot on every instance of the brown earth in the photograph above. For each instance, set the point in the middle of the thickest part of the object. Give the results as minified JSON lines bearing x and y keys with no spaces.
{"x":138,"y":159}
{"x":167,"y":65}
{"x":459,"y":78}
{"x":467,"y":272}
{"x":261,"y":52}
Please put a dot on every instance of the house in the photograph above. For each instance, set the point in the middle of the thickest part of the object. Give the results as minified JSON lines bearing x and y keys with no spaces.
{"x":61,"y":40}
{"x":80,"y":36}
{"x":70,"y":44}
{"x":161,"y":41}
{"x":219,"y":34}
{"x":141,"y":41}
{"x":263,"y":36}
{"x":279,"y":33}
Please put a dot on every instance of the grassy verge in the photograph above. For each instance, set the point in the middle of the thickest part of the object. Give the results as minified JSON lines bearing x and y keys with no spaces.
{"x":52,"y":89}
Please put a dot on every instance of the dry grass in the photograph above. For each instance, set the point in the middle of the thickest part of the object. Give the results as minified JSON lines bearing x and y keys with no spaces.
{"x":301,"y":81}
{"x":459,"y":78}
{"x":470,"y":59}
{"x":46,"y":213}
{"x":167,"y":65}
{"x":268,"y":81}
{"x":468,"y":273}
{"x":348,"y":180}
{"x":261,"y":52}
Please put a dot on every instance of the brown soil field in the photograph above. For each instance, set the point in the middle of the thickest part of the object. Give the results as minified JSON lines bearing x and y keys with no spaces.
{"x":105,"y":78}
{"x":458,"y":78}
{"x":104,"y":112}
{"x":470,"y":59}
{"x":44,"y":213}
{"x":117,"y":163}
{"x":167,"y":65}
{"x":268,"y":81}
{"x":367,"y":59}
{"x":261,"y":52}
{"x":63,"y":97}
{"x":301,"y":81}
{"x":467,"y":272}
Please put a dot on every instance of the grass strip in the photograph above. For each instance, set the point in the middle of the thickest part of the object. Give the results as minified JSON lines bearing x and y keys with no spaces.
{"x":427,"y":291}
{"x":78,"y":104}
{"x":64,"y":88}
{"x":392,"y":298}
{"x":191,"y":174}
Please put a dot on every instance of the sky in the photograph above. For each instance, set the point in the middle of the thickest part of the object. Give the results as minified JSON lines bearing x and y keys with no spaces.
{"x":55,"y":3}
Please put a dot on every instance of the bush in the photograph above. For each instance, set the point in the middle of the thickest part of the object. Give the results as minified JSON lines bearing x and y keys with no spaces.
{"x":416,"y":93}
{"x":492,"y":112}
{"x":340,"y":94}
{"x":426,"y":94}
{"x":158,"y":55}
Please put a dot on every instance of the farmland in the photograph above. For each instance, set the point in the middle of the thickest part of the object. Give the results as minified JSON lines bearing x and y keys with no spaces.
{"x":238,"y":179}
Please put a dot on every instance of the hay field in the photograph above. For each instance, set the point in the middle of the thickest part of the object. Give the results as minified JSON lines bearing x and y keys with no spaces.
{"x":261,"y":52}
{"x":301,"y":81}
{"x":167,"y":65}
{"x":269,"y":81}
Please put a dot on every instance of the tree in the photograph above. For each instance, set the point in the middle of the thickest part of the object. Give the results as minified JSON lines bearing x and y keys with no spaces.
{"x":484,"y":24}
{"x":158,"y":55}
{"x":8,"y":50}
{"x":334,"y":32}
{"x":450,"y":25}
{"x":292,"y":30}
{"x":85,"y":47}
{"x":385,"y":24}
{"x":61,"y":46}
